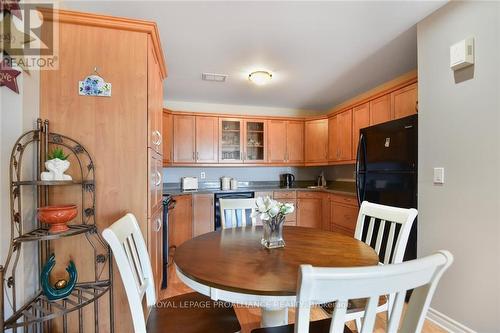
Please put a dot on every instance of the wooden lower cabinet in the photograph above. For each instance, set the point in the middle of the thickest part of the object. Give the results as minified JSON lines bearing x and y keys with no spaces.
{"x":288,"y":197}
{"x":203,"y":214}
{"x":310,"y":209}
{"x":155,"y":244}
{"x":180,"y":227}
{"x":343,"y":214}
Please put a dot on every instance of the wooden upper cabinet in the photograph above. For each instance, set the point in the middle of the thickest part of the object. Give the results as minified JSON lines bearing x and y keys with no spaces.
{"x":360,"y":119}
{"x":333,"y":139}
{"x":277,"y":141}
{"x":230,"y":140}
{"x":255,"y":141}
{"x":340,"y":136}
{"x":380,"y":110}
{"x":344,"y":120}
{"x":207,"y":129}
{"x":168,"y":128}
{"x":184,"y":139}
{"x":405,"y":101}
{"x":285,"y":141}
{"x":316,"y":141}
{"x":295,"y":142}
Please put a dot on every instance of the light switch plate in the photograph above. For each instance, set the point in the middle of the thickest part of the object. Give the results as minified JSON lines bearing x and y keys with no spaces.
{"x":438,"y":176}
{"x":202,"y":175}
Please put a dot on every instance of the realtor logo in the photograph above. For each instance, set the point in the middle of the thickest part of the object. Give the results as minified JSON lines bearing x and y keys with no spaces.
{"x":28,"y":35}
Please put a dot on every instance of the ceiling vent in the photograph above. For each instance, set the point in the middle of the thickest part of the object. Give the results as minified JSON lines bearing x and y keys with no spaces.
{"x":214,"y":77}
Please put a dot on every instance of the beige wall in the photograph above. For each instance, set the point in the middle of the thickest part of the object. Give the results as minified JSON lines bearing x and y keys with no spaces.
{"x":459,"y":129}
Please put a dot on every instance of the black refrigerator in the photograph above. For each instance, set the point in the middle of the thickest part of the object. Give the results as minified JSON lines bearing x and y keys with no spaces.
{"x":386,"y":168}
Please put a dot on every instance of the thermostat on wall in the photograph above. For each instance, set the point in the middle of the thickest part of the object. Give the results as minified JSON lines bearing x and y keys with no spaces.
{"x":462,"y":54}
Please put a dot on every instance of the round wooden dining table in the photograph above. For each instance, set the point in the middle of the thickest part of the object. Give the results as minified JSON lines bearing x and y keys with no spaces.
{"x":231,"y":265}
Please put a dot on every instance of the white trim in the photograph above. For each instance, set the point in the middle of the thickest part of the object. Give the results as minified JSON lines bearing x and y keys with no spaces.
{"x":447,"y":323}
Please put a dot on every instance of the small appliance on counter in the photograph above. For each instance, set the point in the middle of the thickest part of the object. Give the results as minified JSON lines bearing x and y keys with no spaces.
{"x":321,"y":182}
{"x":287,"y":180}
{"x":225,"y":183}
{"x":189,"y":183}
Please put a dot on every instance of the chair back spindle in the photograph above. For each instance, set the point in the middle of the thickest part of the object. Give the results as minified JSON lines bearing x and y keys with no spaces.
{"x":130,"y":252}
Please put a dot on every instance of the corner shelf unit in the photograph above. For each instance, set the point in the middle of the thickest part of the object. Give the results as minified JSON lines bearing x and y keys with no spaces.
{"x":37,"y":313}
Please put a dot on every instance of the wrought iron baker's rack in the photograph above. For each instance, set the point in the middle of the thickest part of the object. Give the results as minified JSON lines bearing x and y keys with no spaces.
{"x":36,"y":313}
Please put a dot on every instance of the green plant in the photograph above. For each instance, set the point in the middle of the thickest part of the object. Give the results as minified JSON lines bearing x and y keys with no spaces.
{"x":57,"y":153}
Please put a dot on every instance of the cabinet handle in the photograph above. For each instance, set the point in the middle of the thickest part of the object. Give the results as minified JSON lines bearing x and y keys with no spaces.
{"x":157,"y":134}
{"x":158,"y":178}
{"x":416,"y":106}
{"x":158,"y":225}
{"x":194,"y":156}
{"x":197,"y":156}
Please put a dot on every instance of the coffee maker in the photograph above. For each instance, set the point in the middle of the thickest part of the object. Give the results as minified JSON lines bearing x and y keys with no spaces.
{"x":287,"y":180}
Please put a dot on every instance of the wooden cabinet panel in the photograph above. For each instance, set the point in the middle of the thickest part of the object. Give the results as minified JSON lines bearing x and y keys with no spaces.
{"x":333,"y":139}
{"x":404,"y":101}
{"x":255,"y":141}
{"x":309,"y":209}
{"x":345,"y":135}
{"x":155,"y":247}
{"x":285,"y":194}
{"x":340,"y":136}
{"x":167,"y":134}
{"x":316,"y":141}
{"x":277,"y":141}
{"x":180,"y":228}
{"x":380,"y":110}
{"x":343,"y":217}
{"x":155,"y":185}
{"x":295,"y":142}
{"x":360,"y":119}
{"x":155,"y":101}
{"x":207,"y":129}
{"x":203,"y":214}
{"x":184,"y":139}
{"x":343,"y":214}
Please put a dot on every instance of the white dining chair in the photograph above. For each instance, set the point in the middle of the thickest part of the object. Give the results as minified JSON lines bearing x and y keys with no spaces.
{"x":170,"y":315}
{"x":237,"y":212}
{"x":318,"y":285}
{"x":386,"y":229}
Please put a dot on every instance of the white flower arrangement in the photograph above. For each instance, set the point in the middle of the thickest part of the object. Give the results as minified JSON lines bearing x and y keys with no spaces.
{"x":268,"y":209}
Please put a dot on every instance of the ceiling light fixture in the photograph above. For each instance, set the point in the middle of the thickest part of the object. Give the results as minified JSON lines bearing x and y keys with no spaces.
{"x":260,"y":77}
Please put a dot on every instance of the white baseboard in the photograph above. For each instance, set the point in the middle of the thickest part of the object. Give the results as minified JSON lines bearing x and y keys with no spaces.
{"x":447,"y":323}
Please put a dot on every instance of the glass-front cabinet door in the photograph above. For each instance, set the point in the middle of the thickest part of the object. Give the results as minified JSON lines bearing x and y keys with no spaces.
{"x":231,"y":140}
{"x":255,"y":141}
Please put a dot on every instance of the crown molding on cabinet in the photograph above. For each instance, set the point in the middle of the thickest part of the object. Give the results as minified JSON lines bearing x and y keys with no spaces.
{"x":110,"y":22}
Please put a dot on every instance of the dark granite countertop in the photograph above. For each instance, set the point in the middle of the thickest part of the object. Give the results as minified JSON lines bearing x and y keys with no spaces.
{"x":335,"y":187}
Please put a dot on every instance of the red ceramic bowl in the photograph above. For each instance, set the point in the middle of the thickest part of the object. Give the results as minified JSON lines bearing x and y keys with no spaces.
{"x":57,"y":216}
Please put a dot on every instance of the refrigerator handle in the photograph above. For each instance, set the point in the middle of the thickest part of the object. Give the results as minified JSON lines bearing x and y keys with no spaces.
{"x":358,"y":156}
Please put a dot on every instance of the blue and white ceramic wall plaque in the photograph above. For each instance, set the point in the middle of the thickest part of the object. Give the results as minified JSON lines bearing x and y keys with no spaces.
{"x":94,"y":85}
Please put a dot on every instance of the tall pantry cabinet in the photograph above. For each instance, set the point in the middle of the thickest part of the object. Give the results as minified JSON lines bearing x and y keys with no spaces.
{"x":123,"y":133}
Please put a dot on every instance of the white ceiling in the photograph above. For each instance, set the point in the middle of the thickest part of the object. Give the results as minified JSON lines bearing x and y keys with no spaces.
{"x":321,"y":53}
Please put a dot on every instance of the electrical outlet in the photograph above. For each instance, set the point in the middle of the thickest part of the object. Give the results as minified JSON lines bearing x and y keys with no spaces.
{"x":202,"y":175}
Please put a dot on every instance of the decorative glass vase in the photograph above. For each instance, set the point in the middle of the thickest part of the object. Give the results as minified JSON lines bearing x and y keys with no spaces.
{"x":273,"y":233}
